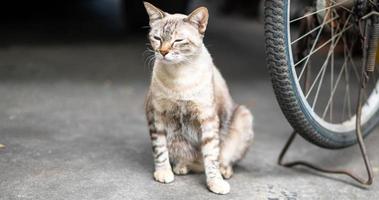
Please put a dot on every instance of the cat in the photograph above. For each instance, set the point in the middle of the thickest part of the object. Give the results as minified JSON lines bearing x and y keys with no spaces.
{"x":193,"y":122}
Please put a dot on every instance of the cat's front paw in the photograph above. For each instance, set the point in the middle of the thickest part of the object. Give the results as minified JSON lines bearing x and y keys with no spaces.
{"x":164,"y":175}
{"x":218,"y":186}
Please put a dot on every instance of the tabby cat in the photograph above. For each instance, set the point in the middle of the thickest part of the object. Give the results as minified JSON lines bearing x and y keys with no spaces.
{"x":194,"y":123}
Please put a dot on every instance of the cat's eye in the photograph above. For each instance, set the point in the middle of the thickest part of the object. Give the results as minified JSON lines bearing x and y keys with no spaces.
{"x":178,"y":40}
{"x":157,"y":38}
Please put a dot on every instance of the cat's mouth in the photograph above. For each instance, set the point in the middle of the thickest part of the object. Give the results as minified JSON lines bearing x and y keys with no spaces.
{"x":166,"y":59}
{"x":169,"y":59}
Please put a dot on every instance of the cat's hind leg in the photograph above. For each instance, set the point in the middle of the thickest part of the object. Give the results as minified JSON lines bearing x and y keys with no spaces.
{"x":235,"y":144}
{"x":181,"y":168}
{"x":185,"y":167}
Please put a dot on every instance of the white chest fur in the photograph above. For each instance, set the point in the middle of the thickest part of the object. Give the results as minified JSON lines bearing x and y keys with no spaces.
{"x":181,"y":92}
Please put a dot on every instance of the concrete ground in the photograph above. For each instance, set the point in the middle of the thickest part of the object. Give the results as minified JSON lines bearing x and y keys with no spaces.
{"x":72,"y":122}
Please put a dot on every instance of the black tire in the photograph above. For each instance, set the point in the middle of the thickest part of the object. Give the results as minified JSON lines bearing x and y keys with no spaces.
{"x":284,"y":84}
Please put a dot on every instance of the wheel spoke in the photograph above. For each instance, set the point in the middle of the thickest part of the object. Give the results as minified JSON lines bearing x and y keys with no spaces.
{"x":333,"y":41}
{"x":334,"y":85}
{"x":321,"y":72}
{"x":347,"y":98}
{"x":355,"y":69}
{"x":318,"y":88}
{"x":334,"y":89}
{"x":318,"y":11}
{"x":315,"y":29}
{"x":323,"y":69}
{"x":331,"y":77}
{"x":343,"y":7}
{"x":321,"y":46}
{"x":311,"y":51}
{"x":331,"y":50}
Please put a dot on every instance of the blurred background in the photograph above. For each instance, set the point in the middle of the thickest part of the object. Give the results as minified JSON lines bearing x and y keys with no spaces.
{"x":73,"y":77}
{"x":74,"y":25}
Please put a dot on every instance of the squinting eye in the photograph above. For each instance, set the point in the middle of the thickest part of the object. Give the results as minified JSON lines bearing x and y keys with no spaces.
{"x":157,"y":38}
{"x":179,"y":40}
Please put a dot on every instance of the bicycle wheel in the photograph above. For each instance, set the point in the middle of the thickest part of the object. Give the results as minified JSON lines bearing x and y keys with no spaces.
{"x":314,"y":56}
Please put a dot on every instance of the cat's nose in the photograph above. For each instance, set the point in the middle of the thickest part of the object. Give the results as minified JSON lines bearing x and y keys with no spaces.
{"x":164,"y":52}
{"x":164,"y":48}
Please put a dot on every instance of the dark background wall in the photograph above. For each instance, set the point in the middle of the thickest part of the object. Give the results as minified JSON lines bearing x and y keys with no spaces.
{"x":41,"y":20}
{"x":111,"y":36}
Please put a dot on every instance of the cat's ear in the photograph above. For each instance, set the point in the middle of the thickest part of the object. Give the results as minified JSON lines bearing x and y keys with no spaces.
{"x":199,"y":18}
{"x":153,"y":12}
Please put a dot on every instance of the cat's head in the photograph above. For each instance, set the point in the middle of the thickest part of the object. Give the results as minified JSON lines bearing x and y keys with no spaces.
{"x":176,"y":38}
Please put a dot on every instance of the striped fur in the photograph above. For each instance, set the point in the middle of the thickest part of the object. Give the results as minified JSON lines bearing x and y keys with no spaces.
{"x":194,"y":123}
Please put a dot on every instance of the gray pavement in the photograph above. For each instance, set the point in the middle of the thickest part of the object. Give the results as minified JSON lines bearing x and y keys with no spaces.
{"x":72,"y":122}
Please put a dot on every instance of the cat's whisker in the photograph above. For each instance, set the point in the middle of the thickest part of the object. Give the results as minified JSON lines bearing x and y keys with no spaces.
{"x":148,"y":51}
{"x":145,"y":27}
{"x":148,"y":45}
{"x":151,"y":62}
{"x":208,"y":45}
{"x":148,"y":59}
